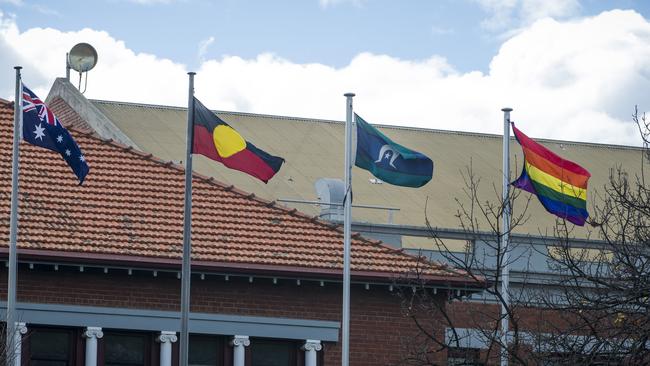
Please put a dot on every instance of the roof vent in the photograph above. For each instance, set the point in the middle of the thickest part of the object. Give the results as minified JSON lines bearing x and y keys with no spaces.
{"x":330,"y":192}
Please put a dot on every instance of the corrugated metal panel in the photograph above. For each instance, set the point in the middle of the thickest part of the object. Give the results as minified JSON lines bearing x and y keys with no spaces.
{"x":314,"y":149}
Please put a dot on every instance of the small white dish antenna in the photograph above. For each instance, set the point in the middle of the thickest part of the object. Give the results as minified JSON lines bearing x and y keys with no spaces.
{"x":81,"y":58}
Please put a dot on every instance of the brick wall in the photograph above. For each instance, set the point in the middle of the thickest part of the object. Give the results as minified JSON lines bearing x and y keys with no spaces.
{"x":529,"y":319}
{"x":379,"y":333}
{"x":68,"y":116}
{"x":476,"y":315}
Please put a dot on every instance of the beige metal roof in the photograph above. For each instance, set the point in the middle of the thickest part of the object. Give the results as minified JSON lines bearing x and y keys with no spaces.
{"x":313,"y":149}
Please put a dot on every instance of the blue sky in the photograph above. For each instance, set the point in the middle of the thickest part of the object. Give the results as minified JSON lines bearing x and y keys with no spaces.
{"x":303,"y":31}
{"x":571,"y":69}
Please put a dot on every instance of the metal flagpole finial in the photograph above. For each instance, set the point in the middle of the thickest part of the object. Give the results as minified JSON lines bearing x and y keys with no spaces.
{"x":191,"y":73}
{"x":506,"y":109}
{"x":349,"y":95}
{"x":18,"y":67}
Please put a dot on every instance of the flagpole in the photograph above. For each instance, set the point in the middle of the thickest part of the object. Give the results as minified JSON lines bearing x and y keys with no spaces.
{"x":13,"y":225}
{"x":505,"y":269}
{"x":347,"y":212}
{"x":187,"y":230}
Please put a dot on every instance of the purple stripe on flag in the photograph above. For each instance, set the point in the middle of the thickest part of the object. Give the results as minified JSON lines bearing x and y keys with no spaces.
{"x":524,"y":182}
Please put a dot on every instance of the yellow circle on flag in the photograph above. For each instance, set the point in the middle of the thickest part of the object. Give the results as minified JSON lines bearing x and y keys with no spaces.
{"x":227,"y":141}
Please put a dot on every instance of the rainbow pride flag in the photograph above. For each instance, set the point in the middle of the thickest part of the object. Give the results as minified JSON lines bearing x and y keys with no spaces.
{"x":559,"y":184}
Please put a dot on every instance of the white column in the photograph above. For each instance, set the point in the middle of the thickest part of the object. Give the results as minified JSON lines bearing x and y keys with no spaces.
{"x":239,"y":352}
{"x":166,"y":339}
{"x":21,"y":329}
{"x":92,"y":334}
{"x":310,"y":347}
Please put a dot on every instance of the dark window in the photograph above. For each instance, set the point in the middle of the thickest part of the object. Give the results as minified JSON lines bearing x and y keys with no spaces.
{"x":464,"y":356}
{"x":206,"y":351}
{"x":50,"y":347}
{"x":273,"y":352}
{"x":125,"y":349}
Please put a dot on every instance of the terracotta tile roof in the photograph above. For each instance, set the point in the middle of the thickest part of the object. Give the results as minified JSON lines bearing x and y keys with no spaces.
{"x":131,"y":205}
{"x":314,"y":149}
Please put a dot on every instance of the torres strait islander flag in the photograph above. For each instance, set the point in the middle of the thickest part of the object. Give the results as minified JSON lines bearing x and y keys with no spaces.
{"x":387,"y":160}
{"x":216,"y":140}
{"x":560,"y":185}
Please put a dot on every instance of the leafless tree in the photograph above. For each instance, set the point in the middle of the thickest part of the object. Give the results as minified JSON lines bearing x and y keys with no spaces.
{"x":593,"y":310}
{"x":604,"y":300}
{"x":7,"y":355}
{"x":483,"y":260}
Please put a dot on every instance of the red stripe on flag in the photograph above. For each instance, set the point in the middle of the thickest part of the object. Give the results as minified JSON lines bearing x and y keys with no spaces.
{"x":204,"y":143}
{"x":547,"y":167}
{"x":547,"y":154}
{"x":248,"y":162}
{"x":245,"y":160}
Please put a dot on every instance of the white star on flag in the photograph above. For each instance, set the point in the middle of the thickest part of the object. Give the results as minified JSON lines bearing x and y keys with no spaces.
{"x":67,"y":152}
{"x":59,"y":139}
{"x":82,"y":158}
{"x":39,"y":132}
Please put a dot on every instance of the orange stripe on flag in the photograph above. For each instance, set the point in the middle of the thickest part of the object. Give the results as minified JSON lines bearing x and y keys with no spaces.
{"x":527,"y":142}
{"x":555,"y":184}
{"x":558,"y":172}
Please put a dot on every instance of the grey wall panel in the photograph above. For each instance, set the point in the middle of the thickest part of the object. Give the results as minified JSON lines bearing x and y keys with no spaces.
{"x":151,"y":320}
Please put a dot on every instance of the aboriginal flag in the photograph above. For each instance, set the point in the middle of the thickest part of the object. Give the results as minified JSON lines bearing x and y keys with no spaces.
{"x":216,"y":140}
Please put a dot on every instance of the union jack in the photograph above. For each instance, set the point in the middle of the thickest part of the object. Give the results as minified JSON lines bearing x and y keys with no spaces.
{"x":41,"y":128}
{"x":32,"y":102}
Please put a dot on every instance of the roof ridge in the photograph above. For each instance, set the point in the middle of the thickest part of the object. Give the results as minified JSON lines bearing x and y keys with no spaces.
{"x":386,"y":126}
{"x":247,"y":114}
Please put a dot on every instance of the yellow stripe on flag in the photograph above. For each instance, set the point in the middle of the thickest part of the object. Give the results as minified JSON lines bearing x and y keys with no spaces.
{"x":555,"y":184}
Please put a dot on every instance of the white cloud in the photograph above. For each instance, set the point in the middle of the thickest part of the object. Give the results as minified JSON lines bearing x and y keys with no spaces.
{"x":118,"y":74}
{"x":203,"y":47}
{"x":532,"y":10}
{"x":505,"y":14}
{"x":576,"y":80}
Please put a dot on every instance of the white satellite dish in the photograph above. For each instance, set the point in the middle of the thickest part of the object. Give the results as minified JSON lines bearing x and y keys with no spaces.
{"x":82,"y":57}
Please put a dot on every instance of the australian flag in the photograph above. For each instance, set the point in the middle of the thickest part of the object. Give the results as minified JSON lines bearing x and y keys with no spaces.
{"x":42,"y":128}
{"x":388,"y":161}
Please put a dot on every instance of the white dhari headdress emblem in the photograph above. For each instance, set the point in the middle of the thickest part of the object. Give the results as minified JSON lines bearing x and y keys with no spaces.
{"x":383,"y":153}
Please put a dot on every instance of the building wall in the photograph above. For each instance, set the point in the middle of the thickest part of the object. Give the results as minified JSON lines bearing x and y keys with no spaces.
{"x":532,"y":319}
{"x":379,"y":333}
